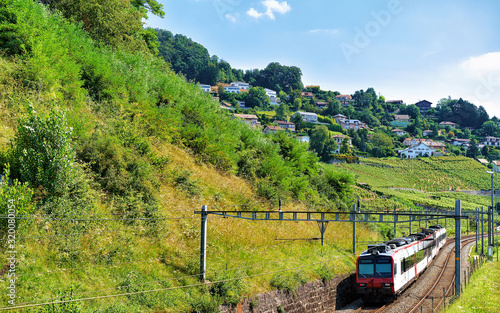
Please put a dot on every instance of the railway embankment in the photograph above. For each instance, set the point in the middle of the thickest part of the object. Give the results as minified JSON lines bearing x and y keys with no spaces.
{"x":317,"y":296}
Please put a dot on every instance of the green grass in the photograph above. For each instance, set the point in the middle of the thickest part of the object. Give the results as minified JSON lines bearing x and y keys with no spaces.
{"x":483,"y":292}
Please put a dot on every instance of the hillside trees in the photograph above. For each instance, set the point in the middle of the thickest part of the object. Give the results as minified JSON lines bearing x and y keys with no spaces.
{"x":462,"y":112}
{"x":322,"y":143}
{"x":117,"y":23}
{"x":257,"y":97}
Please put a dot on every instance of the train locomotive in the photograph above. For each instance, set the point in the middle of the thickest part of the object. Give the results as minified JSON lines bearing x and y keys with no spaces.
{"x":385,"y":270}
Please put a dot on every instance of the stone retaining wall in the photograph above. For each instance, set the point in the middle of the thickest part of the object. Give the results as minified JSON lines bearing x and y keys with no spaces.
{"x":317,"y":297}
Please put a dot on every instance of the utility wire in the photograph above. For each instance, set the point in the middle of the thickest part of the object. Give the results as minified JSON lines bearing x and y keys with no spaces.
{"x":156,"y":290}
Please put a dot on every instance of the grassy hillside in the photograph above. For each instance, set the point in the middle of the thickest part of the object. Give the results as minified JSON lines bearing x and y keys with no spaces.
{"x":109,"y":153}
{"x":435,"y":181}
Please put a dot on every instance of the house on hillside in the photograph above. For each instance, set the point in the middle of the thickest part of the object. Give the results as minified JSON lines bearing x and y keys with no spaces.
{"x":427,"y":132}
{"x":451,"y":124}
{"x":399,"y":132}
{"x":308,"y":95}
{"x":337,"y":118}
{"x":460,"y":142}
{"x":491,"y":141}
{"x":483,"y":161}
{"x":271,"y":129}
{"x":402,"y":118}
{"x":249,"y":119}
{"x":286,"y":125}
{"x":420,"y":150}
{"x":308,"y":117}
{"x":321,"y":104}
{"x":424,"y":106}
{"x":205,"y":88}
{"x":272,"y":96}
{"x":338,"y":139}
{"x":496,"y":166}
{"x":394,"y":102}
{"x":344,"y":100}
{"x":227,"y":105}
{"x":241,"y":85}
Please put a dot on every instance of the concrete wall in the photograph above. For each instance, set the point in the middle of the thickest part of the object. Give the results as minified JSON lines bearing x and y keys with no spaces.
{"x":317,"y":297}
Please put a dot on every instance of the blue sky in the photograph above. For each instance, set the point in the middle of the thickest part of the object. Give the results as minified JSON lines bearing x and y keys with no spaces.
{"x":405,"y":49}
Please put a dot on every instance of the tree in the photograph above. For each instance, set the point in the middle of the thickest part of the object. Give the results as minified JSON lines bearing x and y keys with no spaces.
{"x":382,"y":145}
{"x":117,"y":23}
{"x":333,"y":108}
{"x":472,"y":151}
{"x":298,"y":121}
{"x":345,"y":147}
{"x":413,"y":111}
{"x":257,"y":97}
{"x":485,"y":151}
{"x":282,"y":112}
{"x":322,"y":143}
{"x":489,"y":128}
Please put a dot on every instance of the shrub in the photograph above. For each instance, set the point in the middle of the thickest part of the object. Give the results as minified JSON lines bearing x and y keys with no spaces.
{"x":14,"y":196}
{"x":204,"y":304}
{"x":42,"y":152}
{"x":229,"y":291}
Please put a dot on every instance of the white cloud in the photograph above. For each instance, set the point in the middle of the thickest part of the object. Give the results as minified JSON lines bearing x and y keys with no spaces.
{"x":483,"y":65}
{"x":324,"y":31}
{"x":253,"y":13}
{"x":272,"y":6}
{"x":233,"y":17}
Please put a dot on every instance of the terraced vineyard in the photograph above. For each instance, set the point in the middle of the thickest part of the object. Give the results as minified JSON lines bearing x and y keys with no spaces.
{"x":426,"y":174}
{"x":428,"y":181}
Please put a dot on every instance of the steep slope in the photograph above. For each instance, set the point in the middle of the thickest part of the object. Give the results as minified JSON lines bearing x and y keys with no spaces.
{"x":125,"y":152}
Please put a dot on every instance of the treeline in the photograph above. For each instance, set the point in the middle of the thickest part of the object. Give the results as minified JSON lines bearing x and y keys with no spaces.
{"x":193,"y":60}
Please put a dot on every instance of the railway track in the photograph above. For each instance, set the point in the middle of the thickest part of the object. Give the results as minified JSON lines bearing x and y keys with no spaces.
{"x":445,"y":281}
{"x":422,"y":296}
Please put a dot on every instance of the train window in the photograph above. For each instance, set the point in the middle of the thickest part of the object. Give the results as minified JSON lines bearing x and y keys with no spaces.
{"x":365,"y":268}
{"x":383,"y":268}
{"x":395,"y":269}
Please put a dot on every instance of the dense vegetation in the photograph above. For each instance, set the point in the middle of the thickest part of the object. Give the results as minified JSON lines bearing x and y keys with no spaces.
{"x":108,"y":153}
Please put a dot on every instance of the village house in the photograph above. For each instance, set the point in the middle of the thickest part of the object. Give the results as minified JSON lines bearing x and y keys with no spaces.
{"x":308,"y":95}
{"x":271,"y":129}
{"x":424,"y":106}
{"x":460,"y":142}
{"x":337,"y":118}
{"x":483,"y":161}
{"x":286,"y":125}
{"x":308,"y":117}
{"x":436,"y":145}
{"x":496,"y":166}
{"x":444,"y":124}
{"x":427,"y":132}
{"x":338,"y":139}
{"x":249,"y":119}
{"x":491,"y":141}
{"x":226,"y":105}
{"x":321,"y":104}
{"x":399,"y":132}
{"x":394,"y":102}
{"x":241,"y":85}
{"x":344,"y":100}
{"x":402,"y":118}
{"x":420,"y":150}
{"x":205,"y":88}
{"x":272,"y":96}
{"x":346,"y":123}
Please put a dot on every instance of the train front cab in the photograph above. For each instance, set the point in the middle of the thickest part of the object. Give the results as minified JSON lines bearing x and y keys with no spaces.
{"x":375,"y":277}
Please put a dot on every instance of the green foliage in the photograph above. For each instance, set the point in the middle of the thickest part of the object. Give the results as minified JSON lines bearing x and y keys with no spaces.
{"x":204,"y":304}
{"x":325,"y":272}
{"x":42,"y":152}
{"x":63,"y":307}
{"x":182,"y":179}
{"x":322,"y":143}
{"x":288,"y":281}
{"x":11,"y":39}
{"x":230,"y":289}
{"x":15,"y":200}
{"x":257,"y":97}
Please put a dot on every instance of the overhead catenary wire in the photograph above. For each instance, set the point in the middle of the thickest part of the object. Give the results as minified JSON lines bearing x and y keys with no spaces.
{"x":157,"y":290}
{"x":173,"y":279}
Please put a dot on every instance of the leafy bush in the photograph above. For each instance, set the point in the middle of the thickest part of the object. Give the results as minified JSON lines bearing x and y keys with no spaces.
{"x":182,"y":179}
{"x":325,"y":273}
{"x":15,"y":199}
{"x":42,"y":152}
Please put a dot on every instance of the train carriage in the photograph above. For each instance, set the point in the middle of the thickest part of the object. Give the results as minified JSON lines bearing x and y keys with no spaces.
{"x":385,"y":270}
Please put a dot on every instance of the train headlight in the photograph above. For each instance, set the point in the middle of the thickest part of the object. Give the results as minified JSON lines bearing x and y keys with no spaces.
{"x":362,"y":285}
{"x":386,"y":284}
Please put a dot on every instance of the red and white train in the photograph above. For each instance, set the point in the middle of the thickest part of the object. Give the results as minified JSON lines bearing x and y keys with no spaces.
{"x":385,"y":270}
